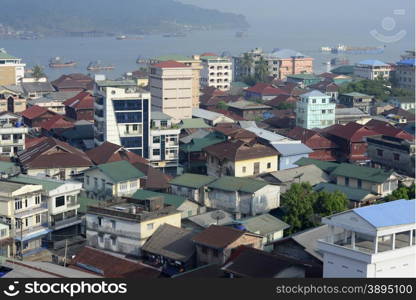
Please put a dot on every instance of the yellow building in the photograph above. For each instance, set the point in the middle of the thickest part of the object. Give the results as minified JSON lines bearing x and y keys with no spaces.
{"x":240,"y":159}
{"x":195,"y":63}
{"x":12,"y":70}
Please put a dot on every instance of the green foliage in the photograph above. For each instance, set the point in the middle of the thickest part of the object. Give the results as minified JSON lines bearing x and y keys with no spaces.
{"x":222,"y":105}
{"x":330,"y":203}
{"x":297,"y":203}
{"x":261,"y":70}
{"x":38,"y":72}
{"x":286,"y":106}
{"x":402,"y":192}
{"x":380,"y":89}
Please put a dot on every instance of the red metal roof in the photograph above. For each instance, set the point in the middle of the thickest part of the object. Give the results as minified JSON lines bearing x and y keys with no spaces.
{"x":109,"y":152}
{"x":57,"y":121}
{"x":209,"y":54}
{"x":265,"y":89}
{"x":83,"y":100}
{"x":352,"y":131}
{"x":311,"y":138}
{"x":34,"y":112}
{"x":170,"y":64}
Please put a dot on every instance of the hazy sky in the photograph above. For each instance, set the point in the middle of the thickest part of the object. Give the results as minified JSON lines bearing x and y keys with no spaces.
{"x":317,"y":11}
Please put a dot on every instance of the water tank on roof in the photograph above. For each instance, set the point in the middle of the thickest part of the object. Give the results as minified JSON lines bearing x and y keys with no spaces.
{"x":18,"y":124}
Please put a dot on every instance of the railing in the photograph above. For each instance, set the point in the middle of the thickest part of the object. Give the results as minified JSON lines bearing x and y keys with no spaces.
{"x":64,"y":222}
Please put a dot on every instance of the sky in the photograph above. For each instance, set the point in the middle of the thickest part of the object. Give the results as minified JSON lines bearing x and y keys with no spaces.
{"x":321,"y":14}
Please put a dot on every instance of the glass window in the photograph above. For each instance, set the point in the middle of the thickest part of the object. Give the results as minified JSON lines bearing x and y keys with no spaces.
{"x":347,"y":181}
{"x":156,"y":139}
{"x":60,"y":201}
{"x":156,"y":152}
{"x":396,"y":156}
{"x":37,"y":199}
{"x":149,"y":226}
{"x":379,"y":152}
{"x":269,"y":165}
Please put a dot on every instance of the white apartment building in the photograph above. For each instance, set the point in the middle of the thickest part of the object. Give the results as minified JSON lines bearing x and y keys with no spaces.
{"x":12,"y":70}
{"x":123,"y":226}
{"x":371,"y":241}
{"x":372,"y":69}
{"x":171,"y":88}
{"x":61,"y":197}
{"x":21,"y":207}
{"x":164,"y":142}
{"x":122,"y":115}
{"x":216,"y":71}
{"x":315,"y":110}
{"x":12,"y":134}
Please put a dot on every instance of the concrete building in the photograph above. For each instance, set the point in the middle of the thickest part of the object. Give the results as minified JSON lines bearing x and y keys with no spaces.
{"x":122,"y":115}
{"x":405,"y":73}
{"x":21,"y":207}
{"x":346,"y":115}
{"x":113,"y":179}
{"x":406,"y":103}
{"x":372,"y":69}
{"x":5,"y":243}
{"x":171,"y":88}
{"x":61,"y":198}
{"x":124,"y":226}
{"x":216,"y":71}
{"x":12,"y":70}
{"x":315,"y":110}
{"x":11,"y":99}
{"x":193,"y":62}
{"x":392,"y":153}
{"x":375,"y":241}
{"x":358,"y":100}
{"x":281,"y":62}
{"x":164,"y":142}
{"x":12,"y":134}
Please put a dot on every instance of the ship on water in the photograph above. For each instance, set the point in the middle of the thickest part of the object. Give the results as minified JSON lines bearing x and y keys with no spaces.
{"x":175,"y":34}
{"x":126,"y":37}
{"x":57,"y":62}
{"x":353,"y":50}
{"x":98,"y":66}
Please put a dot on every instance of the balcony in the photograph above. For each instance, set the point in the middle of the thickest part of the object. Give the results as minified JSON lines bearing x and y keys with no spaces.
{"x":32,"y":232}
{"x":65,"y":222}
{"x":23,"y":213}
{"x":110,"y":230}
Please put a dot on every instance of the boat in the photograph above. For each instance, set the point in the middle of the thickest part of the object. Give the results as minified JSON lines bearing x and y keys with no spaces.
{"x":57,"y":62}
{"x":176,"y":34}
{"x":97,"y":66}
{"x":121,"y":37}
{"x":357,"y":50}
{"x":326,"y":49}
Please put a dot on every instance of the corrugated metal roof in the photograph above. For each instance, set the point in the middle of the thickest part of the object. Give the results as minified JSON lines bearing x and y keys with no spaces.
{"x":192,"y":180}
{"x":233,"y":184}
{"x":373,"y":63}
{"x":352,"y":194}
{"x":292,"y":149}
{"x":315,"y":93}
{"x":120,"y":171}
{"x":264,"y":224}
{"x":170,"y":199}
{"x":399,"y":212}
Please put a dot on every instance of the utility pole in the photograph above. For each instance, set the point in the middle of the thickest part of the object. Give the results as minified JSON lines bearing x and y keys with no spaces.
{"x":21,"y":238}
{"x":66,"y":250}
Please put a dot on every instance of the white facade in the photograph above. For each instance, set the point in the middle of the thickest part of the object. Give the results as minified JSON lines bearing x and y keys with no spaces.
{"x":363,"y":249}
{"x":172,"y":90}
{"x":12,"y":135}
{"x":217,"y":72}
{"x":12,"y":70}
{"x":315,"y":110}
{"x":372,"y":70}
{"x":122,"y":115}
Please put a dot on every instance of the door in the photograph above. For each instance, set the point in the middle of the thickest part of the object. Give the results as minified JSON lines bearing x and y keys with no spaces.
{"x":256,"y":168}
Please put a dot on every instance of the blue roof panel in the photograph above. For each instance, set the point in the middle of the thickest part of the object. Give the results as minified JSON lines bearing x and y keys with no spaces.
{"x":410,"y":62}
{"x":373,"y":62}
{"x":392,"y":213}
{"x":292,"y":149}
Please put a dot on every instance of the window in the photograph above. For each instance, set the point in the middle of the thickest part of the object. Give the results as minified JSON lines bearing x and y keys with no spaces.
{"x":204,"y":250}
{"x":156,"y":139}
{"x":323,"y":111}
{"x":379,"y":152}
{"x":123,"y":186}
{"x":96,"y":182}
{"x":103,"y":183}
{"x":323,"y":100}
{"x":215,"y":252}
{"x":113,"y":224}
{"x":244,"y":169}
{"x":60,"y":201}
{"x":359,"y":183}
{"x":313,"y":100}
{"x":37,"y":219}
{"x":156,"y":152}
{"x":87,"y":180}
{"x":18,"y":205}
{"x":347,"y":181}
{"x":396,"y":156}
{"x":269,"y":165}
{"x":100,"y":221}
{"x":113,"y":241}
{"x":149,"y":226}
{"x":3,"y":232}
{"x":37,"y":199}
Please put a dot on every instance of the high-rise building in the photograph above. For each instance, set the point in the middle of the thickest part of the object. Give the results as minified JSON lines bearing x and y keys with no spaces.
{"x":315,"y":110}
{"x":122,"y":115}
{"x":193,"y":62}
{"x":171,"y":87}
{"x":12,"y":70}
{"x":216,"y":71}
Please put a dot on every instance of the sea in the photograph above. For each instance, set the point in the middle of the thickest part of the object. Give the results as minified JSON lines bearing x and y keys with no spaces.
{"x":124,"y":53}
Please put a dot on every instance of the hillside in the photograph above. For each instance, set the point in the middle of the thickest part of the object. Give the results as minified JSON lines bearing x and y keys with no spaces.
{"x":109,"y":16}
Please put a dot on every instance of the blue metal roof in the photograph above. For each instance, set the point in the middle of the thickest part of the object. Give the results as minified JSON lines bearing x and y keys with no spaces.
{"x":373,"y":62}
{"x":292,"y":149}
{"x":410,"y":62}
{"x":392,"y":213}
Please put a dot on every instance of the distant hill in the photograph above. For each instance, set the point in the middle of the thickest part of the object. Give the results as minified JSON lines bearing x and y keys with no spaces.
{"x":112,"y":16}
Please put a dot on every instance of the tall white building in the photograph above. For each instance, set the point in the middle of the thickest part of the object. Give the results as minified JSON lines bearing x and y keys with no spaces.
{"x":216,"y":71}
{"x":164,"y":142}
{"x":372,"y":69}
{"x":122,"y":115}
{"x":372,"y":241}
{"x":171,"y":85}
{"x":12,"y":70}
{"x":12,"y":134}
{"x":315,"y":110}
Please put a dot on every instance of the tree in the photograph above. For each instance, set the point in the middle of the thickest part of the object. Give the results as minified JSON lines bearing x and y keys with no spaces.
{"x":261,"y":70}
{"x":297,"y":204}
{"x":222,"y":105}
{"x":402,"y":192}
{"x":247,"y":62}
{"x":330,"y":203}
{"x":38,"y":72}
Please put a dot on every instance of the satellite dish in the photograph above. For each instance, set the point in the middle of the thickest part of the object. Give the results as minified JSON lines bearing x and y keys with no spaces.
{"x":218,"y":215}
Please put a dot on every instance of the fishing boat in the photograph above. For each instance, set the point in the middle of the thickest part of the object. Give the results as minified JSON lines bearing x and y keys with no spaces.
{"x":97,"y":66}
{"x":57,"y":62}
{"x":121,"y":37}
{"x":353,"y":50}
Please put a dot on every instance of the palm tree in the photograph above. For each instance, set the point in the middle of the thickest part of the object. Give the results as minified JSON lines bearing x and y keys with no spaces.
{"x":261,"y":70}
{"x":247,"y":63}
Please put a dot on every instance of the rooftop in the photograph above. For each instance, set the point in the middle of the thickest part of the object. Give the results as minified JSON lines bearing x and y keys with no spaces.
{"x":120,"y":171}
{"x":373,"y":63}
{"x":169,"y":64}
{"x":244,"y":104}
{"x":170,"y":199}
{"x":286,"y":53}
{"x":326,"y":166}
{"x":218,"y":237}
{"x":357,"y":95}
{"x":193,"y":124}
{"x":48,"y":184}
{"x":353,"y":194}
{"x":360,"y":172}
{"x":314,"y":93}
{"x":192,"y":180}
{"x":264,"y":224}
{"x":240,"y":184}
